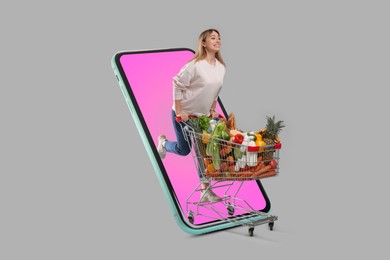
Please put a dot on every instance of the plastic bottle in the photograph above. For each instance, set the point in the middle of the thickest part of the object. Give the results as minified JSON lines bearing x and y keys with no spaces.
{"x":244,"y":143}
{"x":213,"y":122}
{"x":251,"y":154}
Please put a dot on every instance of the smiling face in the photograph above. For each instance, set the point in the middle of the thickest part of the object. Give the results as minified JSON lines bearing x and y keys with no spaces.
{"x":212,"y":42}
{"x":209,"y":45}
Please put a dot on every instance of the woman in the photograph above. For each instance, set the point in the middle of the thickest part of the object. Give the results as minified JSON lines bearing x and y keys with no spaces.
{"x":195,"y":90}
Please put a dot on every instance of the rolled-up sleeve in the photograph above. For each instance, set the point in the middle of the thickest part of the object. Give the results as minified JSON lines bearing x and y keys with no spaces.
{"x":182,"y":80}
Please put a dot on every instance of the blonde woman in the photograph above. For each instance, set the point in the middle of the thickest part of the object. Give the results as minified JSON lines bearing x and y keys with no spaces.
{"x":195,"y":90}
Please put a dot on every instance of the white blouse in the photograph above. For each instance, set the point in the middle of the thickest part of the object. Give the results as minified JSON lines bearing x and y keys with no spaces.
{"x":198,"y":85}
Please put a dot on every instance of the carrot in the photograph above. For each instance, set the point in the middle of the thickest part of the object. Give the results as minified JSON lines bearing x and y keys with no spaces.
{"x":247,"y":174}
{"x":250,"y":173}
{"x":263,"y":170}
{"x":248,"y":177}
{"x":240,"y":178}
{"x":268,"y":174}
{"x":259,"y":166}
{"x":252,"y":169}
{"x":237,"y":174}
{"x":243,"y":175}
{"x":246,"y":169}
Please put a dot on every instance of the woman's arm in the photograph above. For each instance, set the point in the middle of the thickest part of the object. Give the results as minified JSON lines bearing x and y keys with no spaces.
{"x":212,"y":109}
{"x":180,"y":83}
{"x":213,"y":113}
{"x":179,"y":112}
{"x":178,"y":107}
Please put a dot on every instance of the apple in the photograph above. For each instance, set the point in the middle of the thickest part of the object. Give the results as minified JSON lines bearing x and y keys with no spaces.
{"x":273,"y":163}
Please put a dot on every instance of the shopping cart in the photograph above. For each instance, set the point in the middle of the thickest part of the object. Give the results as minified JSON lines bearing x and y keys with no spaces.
{"x":227,"y":165}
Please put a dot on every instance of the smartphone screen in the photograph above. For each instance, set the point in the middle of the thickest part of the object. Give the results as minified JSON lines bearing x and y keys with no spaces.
{"x":148,"y":81}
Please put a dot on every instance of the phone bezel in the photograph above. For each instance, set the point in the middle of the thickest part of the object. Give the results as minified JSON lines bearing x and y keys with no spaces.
{"x":154,"y":156}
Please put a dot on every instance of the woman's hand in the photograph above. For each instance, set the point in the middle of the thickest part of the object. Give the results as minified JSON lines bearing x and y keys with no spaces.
{"x":214,"y":114}
{"x":184,"y":116}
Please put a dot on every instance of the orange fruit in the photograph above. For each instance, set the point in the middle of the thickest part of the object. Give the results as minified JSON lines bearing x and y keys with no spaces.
{"x":210,"y":168}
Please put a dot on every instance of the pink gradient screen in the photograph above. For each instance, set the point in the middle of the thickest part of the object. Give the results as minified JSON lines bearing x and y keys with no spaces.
{"x":150,"y":77}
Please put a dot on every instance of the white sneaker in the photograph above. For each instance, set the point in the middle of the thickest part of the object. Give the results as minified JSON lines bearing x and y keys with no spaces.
{"x":209,"y":196}
{"x":161,"y":146}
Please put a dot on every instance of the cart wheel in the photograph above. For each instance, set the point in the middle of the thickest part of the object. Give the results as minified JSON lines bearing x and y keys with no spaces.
{"x":271,"y":225}
{"x":250,"y":230}
{"x":191,"y":218}
{"x":230,"y":209}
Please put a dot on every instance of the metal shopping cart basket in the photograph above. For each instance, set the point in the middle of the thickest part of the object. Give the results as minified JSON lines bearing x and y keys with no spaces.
{"x":228,"y":165}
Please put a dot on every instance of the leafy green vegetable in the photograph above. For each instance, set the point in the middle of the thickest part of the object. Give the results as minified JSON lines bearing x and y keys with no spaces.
{"x":237,"y":153}
{"x":215,"y":155}
{"x":200,"y":124}
{"x":209,"y":148}
{"x":225,"y":135}
{"x":219,"y":128}
{"x":204,"y":122}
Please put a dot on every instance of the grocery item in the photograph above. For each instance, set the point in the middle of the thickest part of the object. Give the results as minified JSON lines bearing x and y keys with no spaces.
{"x":238,"y":138}
{"x":270,"y":134}
{"x":231,"y":122}
{"x":240,"y":155}
{"x":251,"y":154}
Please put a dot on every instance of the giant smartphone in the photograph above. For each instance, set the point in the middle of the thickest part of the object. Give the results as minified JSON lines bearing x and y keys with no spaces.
{"x":145,"y":78}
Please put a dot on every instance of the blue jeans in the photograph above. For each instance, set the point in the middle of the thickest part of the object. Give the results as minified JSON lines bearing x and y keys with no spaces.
{"x":180,"y":146}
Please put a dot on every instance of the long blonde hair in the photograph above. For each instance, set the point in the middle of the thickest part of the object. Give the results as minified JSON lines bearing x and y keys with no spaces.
{"x":200,"y":52}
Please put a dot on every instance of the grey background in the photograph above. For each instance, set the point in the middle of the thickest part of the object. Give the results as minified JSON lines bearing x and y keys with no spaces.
{"x":76,"y":182}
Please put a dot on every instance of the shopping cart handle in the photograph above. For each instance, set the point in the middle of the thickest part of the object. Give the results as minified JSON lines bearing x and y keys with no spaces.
{"x":178,"y":118}
{"x":278,"y":146}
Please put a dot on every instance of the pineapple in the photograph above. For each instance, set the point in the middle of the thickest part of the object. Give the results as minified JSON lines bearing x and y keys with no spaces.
{"x":270,"y":134}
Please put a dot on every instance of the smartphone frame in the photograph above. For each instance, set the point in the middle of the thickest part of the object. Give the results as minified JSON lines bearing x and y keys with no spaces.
{"x":155,"y":158}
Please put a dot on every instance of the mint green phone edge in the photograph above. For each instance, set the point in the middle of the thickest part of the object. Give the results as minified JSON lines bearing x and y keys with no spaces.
{"x":178,"y":216}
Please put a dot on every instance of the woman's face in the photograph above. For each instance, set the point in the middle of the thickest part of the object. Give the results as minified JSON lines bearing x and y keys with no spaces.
{"x":212,"y":42}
